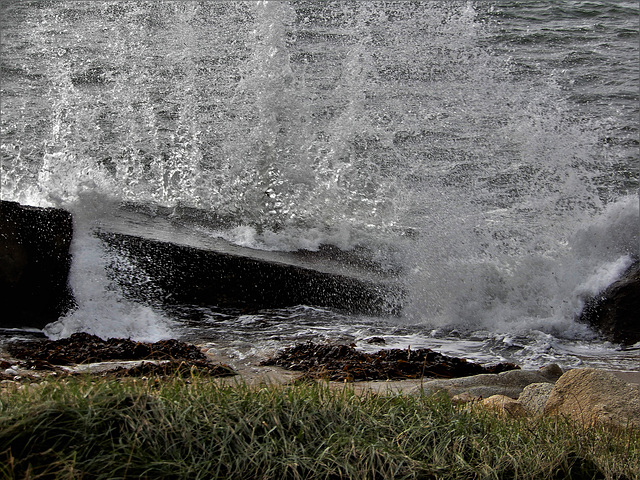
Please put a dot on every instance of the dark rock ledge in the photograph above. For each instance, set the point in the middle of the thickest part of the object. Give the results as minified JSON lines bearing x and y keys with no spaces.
{"x":34,"y":265}
{"x":615,"y":312}
{"x":177,"y":263}
{"x":345,"y":363}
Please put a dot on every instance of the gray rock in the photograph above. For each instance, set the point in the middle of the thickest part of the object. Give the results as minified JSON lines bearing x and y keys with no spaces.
{"x":552,"y":372}
{"x":534,"y":397}
{"x":510,"y":384}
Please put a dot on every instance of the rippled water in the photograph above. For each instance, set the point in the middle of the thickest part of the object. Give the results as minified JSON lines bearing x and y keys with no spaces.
{"x":488,"y":150}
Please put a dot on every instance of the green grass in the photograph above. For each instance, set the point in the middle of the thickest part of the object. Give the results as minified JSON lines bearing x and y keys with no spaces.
{"x":197,"y":429}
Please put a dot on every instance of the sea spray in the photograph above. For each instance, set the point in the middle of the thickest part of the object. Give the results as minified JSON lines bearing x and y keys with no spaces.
{"x":101,"y":307}
{"x":487,"y":154}
{"x":536,"y":290}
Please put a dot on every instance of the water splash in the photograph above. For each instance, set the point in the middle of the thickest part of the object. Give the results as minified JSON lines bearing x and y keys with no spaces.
{"x":535,"y":290}
{"x":102,"y":309}
{"x":403,"y":127}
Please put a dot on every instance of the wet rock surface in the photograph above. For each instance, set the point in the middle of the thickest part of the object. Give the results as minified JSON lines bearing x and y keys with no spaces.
{"x":173,"y":367}
{"x":86,"y":348}
{"x":345,"y":363}
{"x":166,"y":357}
{"x":614,"y":311}
{"x":34,"y":264}
{"x":178,"y":263}
{"x":182,"y":274}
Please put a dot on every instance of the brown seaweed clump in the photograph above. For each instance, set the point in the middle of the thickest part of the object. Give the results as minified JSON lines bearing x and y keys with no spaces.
{"x":85,"y":348}
{"x":173,"y":367}
{"x":166,"y":357}
{"x":345,"y":363}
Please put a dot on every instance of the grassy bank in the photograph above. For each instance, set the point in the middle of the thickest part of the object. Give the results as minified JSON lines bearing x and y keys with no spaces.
{"x":194,"y":428}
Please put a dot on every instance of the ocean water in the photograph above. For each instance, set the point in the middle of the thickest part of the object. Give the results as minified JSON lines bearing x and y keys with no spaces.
{"x":487,"y":150}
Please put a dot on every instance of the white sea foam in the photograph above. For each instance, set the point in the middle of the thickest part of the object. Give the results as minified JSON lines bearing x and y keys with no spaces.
{"x":288,"y":239}
{"x":102,"y":309}
{"x":535,"y":291}
{"x":613,"y":233}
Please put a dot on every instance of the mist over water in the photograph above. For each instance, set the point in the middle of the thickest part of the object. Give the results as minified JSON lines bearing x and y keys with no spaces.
{"x":488,"y":150}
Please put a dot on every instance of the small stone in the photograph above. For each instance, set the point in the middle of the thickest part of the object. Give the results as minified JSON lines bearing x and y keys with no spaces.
{"x":465,"y":397}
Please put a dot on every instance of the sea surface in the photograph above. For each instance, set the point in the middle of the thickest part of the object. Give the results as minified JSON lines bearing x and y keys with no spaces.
{"x":487,"y":150}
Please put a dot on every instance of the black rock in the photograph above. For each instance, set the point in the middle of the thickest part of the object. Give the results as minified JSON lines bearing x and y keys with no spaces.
{"x":34,"y":265}
{"x":615,"y":312}
{"x":345,"y":363}
{"x":86,"y":348}
{"x":177,"y":358}
{"x":175,"y":264}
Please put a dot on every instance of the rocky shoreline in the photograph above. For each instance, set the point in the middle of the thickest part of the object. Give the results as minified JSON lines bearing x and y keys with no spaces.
{"x":34,"y":248}
{"x":585,"y":395}
{"x":184,"y":268}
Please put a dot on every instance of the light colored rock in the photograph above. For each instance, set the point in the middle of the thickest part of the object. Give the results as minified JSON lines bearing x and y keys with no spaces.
{"x":464,"y":397}
{"x":534,"y":397}
{"x":594,"y":396}
{"x":509,"y":383}
{"x":505,"y":406}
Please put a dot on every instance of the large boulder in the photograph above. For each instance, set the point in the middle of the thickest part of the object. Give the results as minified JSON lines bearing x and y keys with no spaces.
{"x":169,"y":262}
{"x":509,"y":384}
{"x":34,"y":264}
{"x":593,"y":397}
{"x":615,"y":311}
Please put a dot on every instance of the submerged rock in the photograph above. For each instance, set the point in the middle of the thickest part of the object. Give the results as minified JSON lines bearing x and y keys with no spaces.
{"x":615,"y":312}
{"x":593,"y":397}
{"x":345,"y":363}
{"x":34,"y":264}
